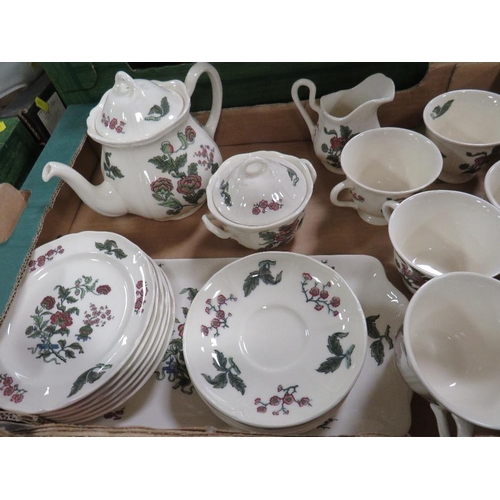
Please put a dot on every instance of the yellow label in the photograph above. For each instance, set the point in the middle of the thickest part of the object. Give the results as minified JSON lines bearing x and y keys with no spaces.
{"x":41,"y":104}
{"x":2,"y":126}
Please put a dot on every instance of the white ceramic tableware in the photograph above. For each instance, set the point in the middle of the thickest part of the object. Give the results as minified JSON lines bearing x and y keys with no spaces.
{"x":343,"y":114}
{"x":492,"y":184}
{"x":383,"y":164}
{"x":86,"y":329}
{"x":156,"y":159}
{"x":437,"y":232}
{"x":275,"y":340}
{"x":449,"y":347}
{"x":465,"y":125}
{"x":259,"y":199}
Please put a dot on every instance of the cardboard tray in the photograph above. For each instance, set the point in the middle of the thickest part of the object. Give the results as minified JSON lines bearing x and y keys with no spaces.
{"x":53,"y":209}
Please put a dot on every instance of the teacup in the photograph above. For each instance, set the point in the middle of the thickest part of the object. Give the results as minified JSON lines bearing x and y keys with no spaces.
{"x":383,"y":164}
{"x":465,"y":125}
{"x":438,"y":232}
{"x":492,"y":184}
{"x":448,"y":349}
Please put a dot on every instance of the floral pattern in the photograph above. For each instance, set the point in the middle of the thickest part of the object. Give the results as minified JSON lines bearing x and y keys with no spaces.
{"x":280,"y":403}
{"x":206,"y":158}
{"x":141,"y":292}
{"x":284,"y":234}
{"x":319,"y":295}
{"x":482,"y":159}
{"x":337,"y":143}
{"x":110,"y":247}
{"x":263,"y":206}
{"x":10,"y":390}
{"x":221,"y":317}
{"x":157,"y":112}
{"x":174,"y":367}
{"x":113,"y":123}
{"x":53,"y":318}
{"x":188,"y":183}
{"x":414,"y":279}
{"x":43,"y":259}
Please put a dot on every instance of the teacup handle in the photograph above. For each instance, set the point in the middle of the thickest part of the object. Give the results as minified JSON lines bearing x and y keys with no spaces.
{"x":335,"y":192}
{"x":464,"y":428}
{"x":221,"y":233}
{"x":303,"y":82}
{"x":388,"y":207}
{"x":192,"y":79}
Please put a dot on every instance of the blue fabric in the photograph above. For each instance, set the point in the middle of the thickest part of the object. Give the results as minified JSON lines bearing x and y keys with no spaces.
{"x":62,"y":146}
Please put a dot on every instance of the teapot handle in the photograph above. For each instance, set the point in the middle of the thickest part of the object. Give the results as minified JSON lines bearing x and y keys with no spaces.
{"x":191,"y":80}
{"x":303,"y":82}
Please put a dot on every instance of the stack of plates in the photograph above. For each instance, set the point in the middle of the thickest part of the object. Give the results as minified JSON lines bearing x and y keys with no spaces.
{"x":274,"y":342}
{"x":90,"y":323}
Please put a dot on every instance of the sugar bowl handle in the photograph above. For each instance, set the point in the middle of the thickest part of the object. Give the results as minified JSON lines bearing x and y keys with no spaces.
{"x":207,"y":220}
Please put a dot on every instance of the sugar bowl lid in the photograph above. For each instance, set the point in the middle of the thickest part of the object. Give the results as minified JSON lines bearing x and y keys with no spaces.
{"x":136,"y":109}
{"x":259,"y":188}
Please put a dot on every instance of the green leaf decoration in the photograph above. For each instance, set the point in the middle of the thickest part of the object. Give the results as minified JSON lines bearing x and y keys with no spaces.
{"x":377,"y":348}
{"x":236,"y":382}
{"x":224,"y":185}
{"x":110,"y":247}
{"x":191,"y":293}
{"x":441,"y":110}
{"x":90,"y":376}
{"x":111,"y":171}
{"x":193,"y":169}
{"x":263,"y":273}
{"x":251,"y":282}
{"x":330,"y":365}
{"x":218,"y":382}
{"x":156,"y":113}
{"x":293,"y":175}
{"x":333,"y":363}
{"x":228,"y":374}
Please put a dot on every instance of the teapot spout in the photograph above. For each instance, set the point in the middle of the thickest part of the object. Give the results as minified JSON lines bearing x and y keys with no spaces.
{"x":103,"y":198}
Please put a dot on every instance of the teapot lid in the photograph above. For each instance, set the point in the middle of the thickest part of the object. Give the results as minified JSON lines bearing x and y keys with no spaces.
{"x":135,"y":110}
{"x":262,"y":189}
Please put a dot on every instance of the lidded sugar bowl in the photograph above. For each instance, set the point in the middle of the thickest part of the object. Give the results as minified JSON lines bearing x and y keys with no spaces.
{"x":259,"y":199}
{"x":156,"y":159}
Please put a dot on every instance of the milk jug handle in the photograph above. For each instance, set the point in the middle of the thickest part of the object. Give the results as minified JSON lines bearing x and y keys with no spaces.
{"x":304,"y":82}
{"x":192,"y":79}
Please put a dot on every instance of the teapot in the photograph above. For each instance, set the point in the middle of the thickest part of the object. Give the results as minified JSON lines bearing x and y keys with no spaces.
{"x":156,"y":159}
{"x":342,"y":115}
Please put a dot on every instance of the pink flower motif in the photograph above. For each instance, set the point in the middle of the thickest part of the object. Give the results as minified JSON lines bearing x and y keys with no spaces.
{"x":41,"y":260}
{"x":304,"y":402}
{"x":318,"y":307}
{"x":221,"y":299}
{"x":314,"y":291}
{"x":274,"y":206}
{"x":204,"y":330}
{"x":8,"y":381}
{"x":17,"y":398}
{"x":263,"y":204}
{"x":103,"y":289}
{"x":215,"y":323}
{"x":221,"y":314}
{"x":307,"y":276}
{"x":62,"y":319}
{"x":324,"y":294}
{"x":335,"y":302}
{"x":288,"y":399}
{"x":275,"y":401}
{"x":8,"y":391}
{"x":255,"y":210}
{"x":257,"y":401}
{"x":262,"y":409}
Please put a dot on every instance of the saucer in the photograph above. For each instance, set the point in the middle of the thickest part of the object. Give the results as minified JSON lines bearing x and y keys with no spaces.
{"x":275,"y":340}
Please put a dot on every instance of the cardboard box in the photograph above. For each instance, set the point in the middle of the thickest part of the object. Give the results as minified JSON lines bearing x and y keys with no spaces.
{"x":53,"y":209}
{"x":38,"y":106}
{"x":18,"y":151}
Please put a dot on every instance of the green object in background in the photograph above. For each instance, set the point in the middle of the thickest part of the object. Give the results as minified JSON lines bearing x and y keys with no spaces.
{"x":244,"y":84}
{"x":18,"y":151}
